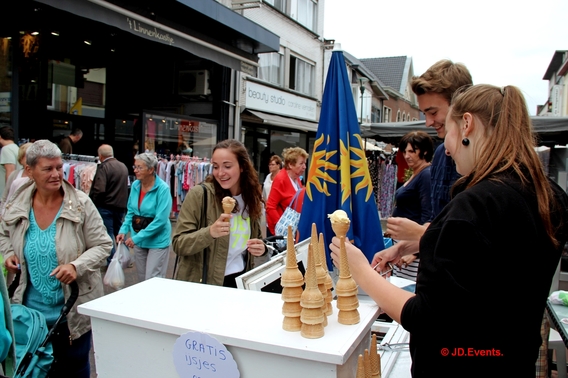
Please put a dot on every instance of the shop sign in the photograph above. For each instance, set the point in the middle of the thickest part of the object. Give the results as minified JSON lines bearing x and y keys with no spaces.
{"x":189,"y":126}
{"x":199,"y":355}
{"x":275,"y":101}
{"x":5,"y":102}
{"x":149,"y":31}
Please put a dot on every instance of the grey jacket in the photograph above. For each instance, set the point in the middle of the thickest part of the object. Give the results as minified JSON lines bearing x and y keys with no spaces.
{"x":81,"y":239}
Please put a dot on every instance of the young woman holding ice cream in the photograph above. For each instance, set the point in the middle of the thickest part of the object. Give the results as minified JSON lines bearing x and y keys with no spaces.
{"x":221,"y":247}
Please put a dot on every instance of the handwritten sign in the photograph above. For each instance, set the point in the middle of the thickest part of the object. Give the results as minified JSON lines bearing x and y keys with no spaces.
{"x":198,"y":355}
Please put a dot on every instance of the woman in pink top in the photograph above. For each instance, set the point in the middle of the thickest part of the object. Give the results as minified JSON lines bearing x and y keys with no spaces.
{"x":285,"y":185}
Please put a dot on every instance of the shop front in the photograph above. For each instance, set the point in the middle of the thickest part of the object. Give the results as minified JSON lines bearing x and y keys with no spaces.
{"x":106,"y":67}
{"x":275,"y":119}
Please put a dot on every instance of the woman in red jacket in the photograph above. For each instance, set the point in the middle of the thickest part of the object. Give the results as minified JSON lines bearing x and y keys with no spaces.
{"x":285,"y":185}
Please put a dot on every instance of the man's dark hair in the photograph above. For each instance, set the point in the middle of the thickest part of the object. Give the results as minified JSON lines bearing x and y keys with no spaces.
{"x":7,"y":133}
{"x":77,"y":132}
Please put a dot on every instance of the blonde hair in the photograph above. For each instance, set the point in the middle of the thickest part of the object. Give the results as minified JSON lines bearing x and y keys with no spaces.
{"x":509,"y":139}
{"x":22,"y":151}
{"x":292,"y":154}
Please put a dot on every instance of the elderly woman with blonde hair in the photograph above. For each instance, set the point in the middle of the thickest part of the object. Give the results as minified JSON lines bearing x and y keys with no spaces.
{"x":285,"y":185}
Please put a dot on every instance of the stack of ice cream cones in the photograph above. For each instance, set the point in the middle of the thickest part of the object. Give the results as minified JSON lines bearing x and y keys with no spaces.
{"x":328,"y":298}
{"x":320,"y":272}
{"x":312,"y":316}
{"x":346,"y":288}
{"x":375,"y":358}
{"x":292,"y":282}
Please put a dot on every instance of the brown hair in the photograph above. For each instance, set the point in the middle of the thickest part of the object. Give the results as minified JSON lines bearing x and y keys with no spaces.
{"x":292,"y":154}
{"x":509,"y":138}
{"x":419,"y":140}
{"x":250,"y":185}
{"x":276,"y":159}
{"x":444,"y":77}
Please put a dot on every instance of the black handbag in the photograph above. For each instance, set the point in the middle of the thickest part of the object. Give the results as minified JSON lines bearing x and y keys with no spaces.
{"x":139,"y":222}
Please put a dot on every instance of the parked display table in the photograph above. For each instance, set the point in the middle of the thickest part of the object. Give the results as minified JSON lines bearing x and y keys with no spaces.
{"x":134,"y":331}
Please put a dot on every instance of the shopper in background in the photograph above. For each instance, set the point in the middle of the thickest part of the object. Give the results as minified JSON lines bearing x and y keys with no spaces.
{"x":285,"y":185}
{"x":413,"y":197}
{"x":66,"y":144}
{"x":148,"y":219}
{"x":8,"y":156}
{"x":16,"y":178}
{"x":109,"y":191}
{"x":274,"y":167}
{"x":56,"y":235}
{"x":504,"y":212}
{"x":224,"y":247}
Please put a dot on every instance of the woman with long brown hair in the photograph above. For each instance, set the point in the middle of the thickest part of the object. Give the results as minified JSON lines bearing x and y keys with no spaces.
{"x":217,"y":249}
{"x":487,"y":260}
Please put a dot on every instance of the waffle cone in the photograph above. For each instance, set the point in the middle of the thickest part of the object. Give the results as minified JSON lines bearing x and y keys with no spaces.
{"x":312,"y":331}
{"x":312,"y":315}
{"x":367,"y":363}
{"x":292,"y":309}
{"x":344,"y":271}
{"x":292,"y":324}
{"x":340,"y":229}
{"x":346,"y":287}
{"x":292,"y":277}
{"x":348,"y":303}
{"x":360,"y":367}
{"x":348,"y":317}
{"x":375,"y":359}
{"x":292,"y":294}
{"x":311,"y":297}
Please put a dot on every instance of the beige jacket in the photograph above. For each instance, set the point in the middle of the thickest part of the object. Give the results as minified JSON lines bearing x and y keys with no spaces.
{"x":81,"y":239}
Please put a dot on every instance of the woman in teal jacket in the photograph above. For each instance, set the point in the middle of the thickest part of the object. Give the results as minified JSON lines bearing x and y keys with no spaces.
{"x":147,"y":219}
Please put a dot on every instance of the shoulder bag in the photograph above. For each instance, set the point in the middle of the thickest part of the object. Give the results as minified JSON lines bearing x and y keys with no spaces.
{"x":291,"y":217}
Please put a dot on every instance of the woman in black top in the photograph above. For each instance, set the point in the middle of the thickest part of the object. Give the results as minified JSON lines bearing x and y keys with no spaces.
{"x":489,"y":257}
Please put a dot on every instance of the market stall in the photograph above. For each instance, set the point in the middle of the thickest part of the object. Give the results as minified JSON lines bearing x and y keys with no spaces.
{"x":135,"y":330}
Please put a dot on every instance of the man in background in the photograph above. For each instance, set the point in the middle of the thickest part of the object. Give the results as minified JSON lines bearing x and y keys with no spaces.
{"x":8,"y":155}
{"x":66,"y":144}
{"x":109,"y":192}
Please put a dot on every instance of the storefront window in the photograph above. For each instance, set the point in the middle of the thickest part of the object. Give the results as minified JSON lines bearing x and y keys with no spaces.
{"x":5,"y":81}
{"x":167,"y":135}
{"x":76,"y":92}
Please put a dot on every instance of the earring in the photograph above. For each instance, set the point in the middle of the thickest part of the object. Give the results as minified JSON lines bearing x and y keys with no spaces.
{"x":465,"y":142}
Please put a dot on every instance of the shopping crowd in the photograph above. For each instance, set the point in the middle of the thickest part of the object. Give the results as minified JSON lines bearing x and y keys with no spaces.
{"x":457,"y":220}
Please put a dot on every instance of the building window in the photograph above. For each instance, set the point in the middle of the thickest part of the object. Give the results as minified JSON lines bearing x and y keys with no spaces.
{"x":375,"y":115}
{"x":403,"y":117}
{"x":387,"y":114}
{"x":398,"y":116}
{"x":271,"y":68}
{"x":301,"y":76}
{"x":304,"y":11}
{"x":281,"y":5}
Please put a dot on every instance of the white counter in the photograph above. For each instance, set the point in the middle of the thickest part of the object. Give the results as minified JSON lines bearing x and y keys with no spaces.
{"x":134,"y":331}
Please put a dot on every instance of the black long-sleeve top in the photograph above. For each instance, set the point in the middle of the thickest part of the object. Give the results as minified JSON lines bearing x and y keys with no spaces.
{"x":486,"y":270}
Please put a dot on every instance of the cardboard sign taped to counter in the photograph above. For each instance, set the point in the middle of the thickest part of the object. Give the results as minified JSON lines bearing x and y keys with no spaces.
{"x":200,"y":355}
